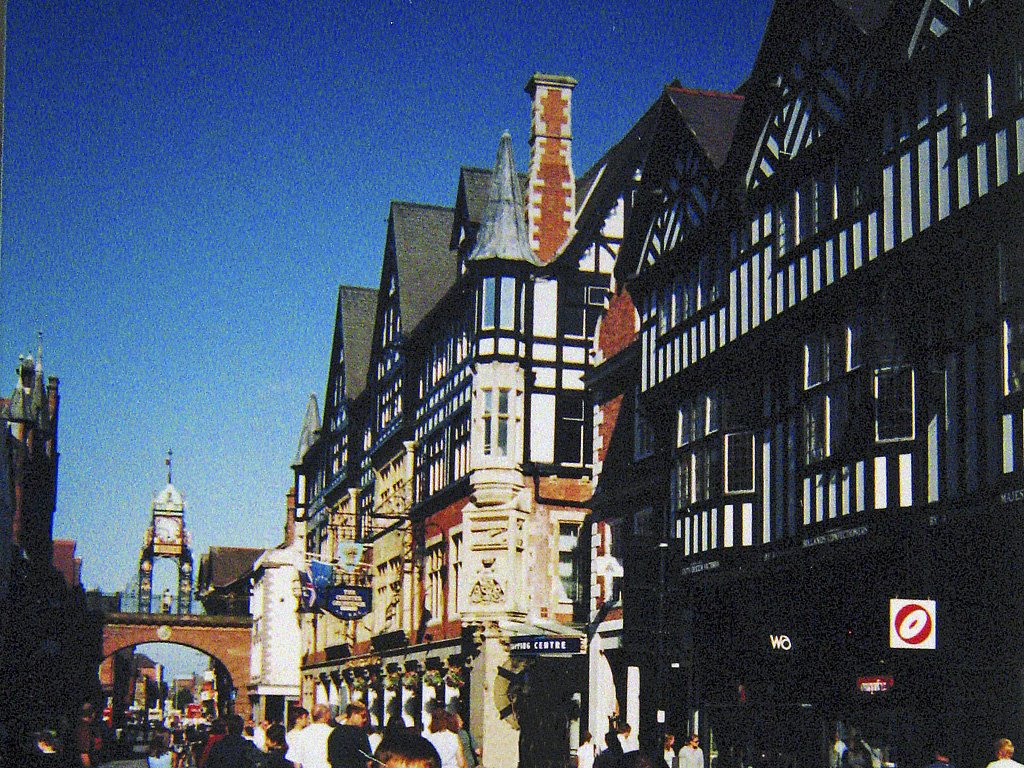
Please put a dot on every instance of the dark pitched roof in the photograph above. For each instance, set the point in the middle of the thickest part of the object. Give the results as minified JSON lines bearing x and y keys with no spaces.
{"x":868,"y":15}
{"x":503,"y":232}
{"x":310,"y":429}
{"x":357,"y":308}
{"x":710,"y":116}
{"x":223,"y":566}
{"x":426,"y":265}
{"x":475,"y":183}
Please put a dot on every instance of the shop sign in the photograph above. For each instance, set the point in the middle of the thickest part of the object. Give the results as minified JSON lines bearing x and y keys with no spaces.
{"x":832,"y":537}
{"x":544,"y":645}
{"x":874,"y":684}
{"x":1009,"y":497}
{"x":912,"y":624}
{"x":780,"y":642}
{"x":348,"y":602}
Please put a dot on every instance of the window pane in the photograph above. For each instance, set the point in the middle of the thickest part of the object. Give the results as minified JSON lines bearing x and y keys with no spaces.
{"x":816,"y":429}
{"x":507,"y":309}
{"x":1014,"y":355}
{"x":739,"y":471}
{"x":487,"y":298}
{"x":894,"y":404}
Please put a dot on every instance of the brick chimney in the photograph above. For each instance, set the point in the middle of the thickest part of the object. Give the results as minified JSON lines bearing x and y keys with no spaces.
{"x":551,"y":197}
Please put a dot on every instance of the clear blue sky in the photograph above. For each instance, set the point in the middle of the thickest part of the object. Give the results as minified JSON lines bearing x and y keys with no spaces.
{"x":186,"y":183}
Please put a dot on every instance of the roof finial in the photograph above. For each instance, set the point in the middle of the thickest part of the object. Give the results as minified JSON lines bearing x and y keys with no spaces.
{"x":167,"y":461}
{"x":39,"y":349}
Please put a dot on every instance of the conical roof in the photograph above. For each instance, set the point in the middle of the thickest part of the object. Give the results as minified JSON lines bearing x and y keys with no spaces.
{"x":310,"y":428}
{"x":503,"y":233}
{"x":169,"y":500}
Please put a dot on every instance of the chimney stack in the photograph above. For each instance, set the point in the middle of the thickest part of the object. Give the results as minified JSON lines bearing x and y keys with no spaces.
{"x":551,"y":198}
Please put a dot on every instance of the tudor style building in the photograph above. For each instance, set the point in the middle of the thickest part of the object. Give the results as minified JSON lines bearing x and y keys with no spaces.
{"x":450,"y":481}
{"x":829,"y":275}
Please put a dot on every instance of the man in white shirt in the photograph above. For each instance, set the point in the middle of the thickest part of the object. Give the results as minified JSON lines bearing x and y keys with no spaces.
{"x":691,"y":755}
{"x":309,"y":746}
{"x":300,"y":719}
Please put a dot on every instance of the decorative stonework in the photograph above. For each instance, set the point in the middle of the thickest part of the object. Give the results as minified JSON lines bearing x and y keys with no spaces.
{"x":486,"y":590}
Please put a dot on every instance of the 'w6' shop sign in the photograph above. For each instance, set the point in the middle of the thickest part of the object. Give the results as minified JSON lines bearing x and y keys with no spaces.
{"x":912,"y":624}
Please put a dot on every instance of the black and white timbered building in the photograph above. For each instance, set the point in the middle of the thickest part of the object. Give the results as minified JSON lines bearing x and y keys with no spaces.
{"x":829,"y":274}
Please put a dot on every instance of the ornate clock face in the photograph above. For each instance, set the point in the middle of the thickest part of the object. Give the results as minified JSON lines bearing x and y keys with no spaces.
{"x":167,"y":530}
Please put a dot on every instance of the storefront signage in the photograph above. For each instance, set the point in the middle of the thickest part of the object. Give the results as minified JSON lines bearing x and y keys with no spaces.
{"x":831,"y":537}
{"x":699,"y":568}
{"x":874,"y":684}
{"x":544,"y":645}
{"x":348,"y":602}
{"x":912,"y":624}
{"x":1009,"y":497}
{"x":780,"y":642}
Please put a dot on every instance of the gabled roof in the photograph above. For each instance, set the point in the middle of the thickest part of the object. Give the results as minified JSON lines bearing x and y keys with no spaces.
{"x":868,"y":15}
{"x":710,"y":116}
{"x":224,"y":566}
{"x":426,"y":266}
{"x":356,"y":308}
{"x":503,"y":232}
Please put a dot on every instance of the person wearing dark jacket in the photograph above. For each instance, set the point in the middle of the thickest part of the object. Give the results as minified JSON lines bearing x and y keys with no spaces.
{"x":233,"y":751}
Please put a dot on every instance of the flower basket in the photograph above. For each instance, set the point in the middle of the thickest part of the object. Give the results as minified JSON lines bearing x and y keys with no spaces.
{"x":359,"y":684}
{"x":433,"y":678}
{"x":411,"y":680}
{"x":454,"y":678}
{"x":393,"y":681}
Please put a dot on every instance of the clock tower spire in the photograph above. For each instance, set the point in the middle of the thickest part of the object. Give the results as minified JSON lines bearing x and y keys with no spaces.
{"x":166,"y":537}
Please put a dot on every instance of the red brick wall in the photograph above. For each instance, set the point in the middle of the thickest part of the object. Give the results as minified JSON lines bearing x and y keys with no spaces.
{"x":618,"y":325}
{"x":551,"y":198}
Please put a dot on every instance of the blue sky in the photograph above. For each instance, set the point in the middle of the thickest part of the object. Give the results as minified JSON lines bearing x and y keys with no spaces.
{"x":185,"y":185}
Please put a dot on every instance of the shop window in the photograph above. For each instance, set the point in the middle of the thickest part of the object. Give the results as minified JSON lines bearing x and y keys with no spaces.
{"x":1013,"y":337}
{"x":739,"y":462}
{"x":894,"y":404}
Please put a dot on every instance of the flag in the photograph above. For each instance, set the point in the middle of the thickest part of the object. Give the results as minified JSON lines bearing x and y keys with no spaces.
{"x":322,"y":575}
{"x":308,"y":600}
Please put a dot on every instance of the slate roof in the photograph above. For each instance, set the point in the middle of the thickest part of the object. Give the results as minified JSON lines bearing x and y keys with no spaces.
{"x":223,"y":566}
{"x":357,"y":308}
{"x":475,"y":183}
{"x":426,"y":265}
{"x":503,"y":232}
{"x":711,"y":117}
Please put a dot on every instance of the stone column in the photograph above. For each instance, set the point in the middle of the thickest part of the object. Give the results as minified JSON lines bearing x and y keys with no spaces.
{"x":497,"y":736}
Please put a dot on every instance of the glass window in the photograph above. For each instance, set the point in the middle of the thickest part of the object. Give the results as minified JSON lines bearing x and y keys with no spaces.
{"x":680,"y":492}
{"x":784,"y":228}
{"x":816,"y":429}
{"x":894,"y":404}
{"x":814,"y":362}
{"x":1014,"y":344}
{"x":507,"y":308}
{"x":568,"y":538}
{"x":487,"y":298}
{"x":739,"y":462}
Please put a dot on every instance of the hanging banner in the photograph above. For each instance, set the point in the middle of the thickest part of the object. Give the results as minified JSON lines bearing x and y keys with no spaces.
{"x":322,"y":575}
{"x":347,"y":602}
{"x":308,"y":602}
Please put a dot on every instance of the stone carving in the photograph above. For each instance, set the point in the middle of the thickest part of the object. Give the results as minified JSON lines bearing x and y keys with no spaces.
{"x":487,"y":589}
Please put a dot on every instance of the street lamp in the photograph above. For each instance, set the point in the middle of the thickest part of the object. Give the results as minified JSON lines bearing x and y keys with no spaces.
{"x":660,"y":662}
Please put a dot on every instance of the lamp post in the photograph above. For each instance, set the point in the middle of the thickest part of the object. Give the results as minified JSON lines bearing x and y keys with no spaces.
{"x":660,"y":661}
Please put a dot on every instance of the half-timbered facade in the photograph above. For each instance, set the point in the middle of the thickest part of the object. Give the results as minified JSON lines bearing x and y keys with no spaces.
{"x":469,"y":455}
{"x":828,"y":279}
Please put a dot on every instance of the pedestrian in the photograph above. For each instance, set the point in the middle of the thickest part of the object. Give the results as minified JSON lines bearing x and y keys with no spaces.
{"x":586,"y":752}
{"x":469,"y":748}
{"x":158,"y":756}
{"x":299,"y":719}
{"x":309,"y":749}
{"x":88,"y":742}
{"x":668,"y":750}
{"x":627,"y":739}
{"x":233,"y":751}
{"x":445,"y":740}
{"x":941,"y":758}
{"x":218,"y":730}
{"x":402,"y":749}
{"x":276,"y":748}
{"x":1004,"y":755}
{"x":691,"y":755}
{"x":612,"y":747}
{"x":348,"y":745}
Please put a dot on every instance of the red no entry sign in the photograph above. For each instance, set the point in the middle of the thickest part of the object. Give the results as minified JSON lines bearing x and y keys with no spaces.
{"x":912,"y":624}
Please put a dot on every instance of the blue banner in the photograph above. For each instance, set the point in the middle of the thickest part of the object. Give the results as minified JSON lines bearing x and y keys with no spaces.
{"x":322,"y":575}
{"x":308,"y":600}
{"x":347,"y":602}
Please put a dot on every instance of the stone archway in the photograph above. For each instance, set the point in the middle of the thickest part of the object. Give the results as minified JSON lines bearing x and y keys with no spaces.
{"x":227,"y":639}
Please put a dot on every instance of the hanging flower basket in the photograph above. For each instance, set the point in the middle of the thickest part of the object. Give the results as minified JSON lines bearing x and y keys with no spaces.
{"x":454,"y":678}
{"x":433,"y":678}
{"x":411,"y":680}
{"x":393,"y":681}
{"x":359,"y":684}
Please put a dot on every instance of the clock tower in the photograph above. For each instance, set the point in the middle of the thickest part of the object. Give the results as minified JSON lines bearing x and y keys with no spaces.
{"x":166,"y":537}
